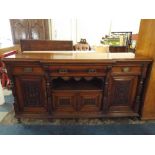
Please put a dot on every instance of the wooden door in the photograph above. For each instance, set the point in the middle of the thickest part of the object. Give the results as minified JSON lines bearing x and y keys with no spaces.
{"x":122,"y":98}
{"x":89,"y":101}
{"x":31,"y":94}
{"x":20,"y":29}
{"x":64,"y":102}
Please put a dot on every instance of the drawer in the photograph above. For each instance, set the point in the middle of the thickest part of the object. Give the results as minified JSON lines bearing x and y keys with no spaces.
{"x":126,"y":69}
{"x":77,"y":70}
{"x":28,"y":70}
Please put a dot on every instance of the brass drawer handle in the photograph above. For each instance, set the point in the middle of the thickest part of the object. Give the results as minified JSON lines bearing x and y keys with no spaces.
{"x":62,"y":71}
{"x":92,"y":71}
{"x":125,"y":69}
{"x":28,"y":70}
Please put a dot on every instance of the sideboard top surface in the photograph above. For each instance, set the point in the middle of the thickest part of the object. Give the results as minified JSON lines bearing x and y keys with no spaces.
{"x":74,"y":56}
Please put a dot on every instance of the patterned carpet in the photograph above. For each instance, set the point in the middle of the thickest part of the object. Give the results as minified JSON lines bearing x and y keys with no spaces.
{"x":10,"y":120}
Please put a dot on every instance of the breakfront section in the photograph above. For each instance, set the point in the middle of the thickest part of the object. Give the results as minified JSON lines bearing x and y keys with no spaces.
{"x":29,"y":89}
{"x":126,"y":88}
{"x":31,"y":94}
{"x":77,"y":90}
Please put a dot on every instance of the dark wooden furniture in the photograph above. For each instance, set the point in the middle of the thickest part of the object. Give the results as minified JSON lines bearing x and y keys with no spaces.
{"x":46,"y":45}
{"x":73,"y":85}
{"x":29,"y":29}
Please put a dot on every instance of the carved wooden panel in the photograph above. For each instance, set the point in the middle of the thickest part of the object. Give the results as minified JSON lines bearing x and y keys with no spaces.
{"x":123,"y":92}
{"x":90,"y":101}
{"x":64,"y":102}
{"x":31,"y":93}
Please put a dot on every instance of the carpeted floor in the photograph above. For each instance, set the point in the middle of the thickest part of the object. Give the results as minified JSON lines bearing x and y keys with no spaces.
{"x":6,"y":108}
{"x":111,"y":129}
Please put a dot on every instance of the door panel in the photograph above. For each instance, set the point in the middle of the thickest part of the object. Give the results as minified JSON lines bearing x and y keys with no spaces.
{"x":31,"y":94}
{"x":89,"y":101}
{"x":122,"y":93}
{"x":64,"y":102}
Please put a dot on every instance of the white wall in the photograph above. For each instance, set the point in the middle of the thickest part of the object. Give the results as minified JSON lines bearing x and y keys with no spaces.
{"x":125,"y":24}
{"x":5,"y":33}
{"x":92,"y":29}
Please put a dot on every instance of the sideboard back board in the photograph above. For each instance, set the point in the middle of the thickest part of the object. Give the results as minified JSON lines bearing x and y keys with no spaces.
{"x":46,"y":45}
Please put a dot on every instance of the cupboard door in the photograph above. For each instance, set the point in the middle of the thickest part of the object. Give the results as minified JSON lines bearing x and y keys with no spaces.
{"x":64,"y":102}
{"x":123,"y":94}
{"x":89,"y":101}
{"x":38,"y":29}
{"x":20,"y":29}
{"x":31,"y":94}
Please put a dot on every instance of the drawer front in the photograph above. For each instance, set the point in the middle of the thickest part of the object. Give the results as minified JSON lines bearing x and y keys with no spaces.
{"x":77,"y":70}
{"x":90,"y":101}
{"x":64,"y":102}
{"x":28,"y":70}
{"x":126,"y":69}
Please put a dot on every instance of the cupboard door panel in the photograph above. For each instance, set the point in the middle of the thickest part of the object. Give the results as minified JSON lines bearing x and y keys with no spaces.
{"x":31,"y":94}
{"x":64,"y":102}
{"x":89,"y":101}
{"x":123,"y":93}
